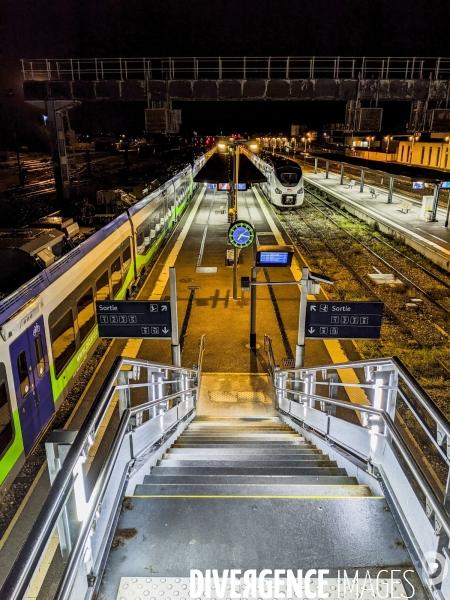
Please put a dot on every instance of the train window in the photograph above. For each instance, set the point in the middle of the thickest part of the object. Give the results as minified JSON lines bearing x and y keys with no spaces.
{"x":6,"y":429}
{"x":140,"y":241}
{"x":116,"y":277}
{"x":143,"y":237}
{"x":63,"y":342}
{"x":126,"y":259}
{"x":103,"y":287}
{"x":22,"y":371}
{"x":86,"y":313}
{"x":39,"y":351}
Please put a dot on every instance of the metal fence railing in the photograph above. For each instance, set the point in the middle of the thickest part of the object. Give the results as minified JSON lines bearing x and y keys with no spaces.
{"x":244,"y":67}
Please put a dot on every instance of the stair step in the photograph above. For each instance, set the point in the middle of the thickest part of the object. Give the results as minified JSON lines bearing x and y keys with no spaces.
{"x":238,"y":426}
{"x":163,"y":478}
{"x":227,"y":489}
{"x":262,"y":419}
{"x":239,"y":436}
{"x":294,"y":462}
{"x":176,"y":534}
{"x":249,"y":470}
{"x":246,"y":444}
{"x":257,"y":452}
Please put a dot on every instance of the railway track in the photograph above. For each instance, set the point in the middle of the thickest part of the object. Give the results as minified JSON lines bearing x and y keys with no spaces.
{"x":428,"y":325}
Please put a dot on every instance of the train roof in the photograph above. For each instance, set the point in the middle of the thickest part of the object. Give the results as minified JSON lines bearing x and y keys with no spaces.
{"x":11,"y":301}
{"x":279,"y":161}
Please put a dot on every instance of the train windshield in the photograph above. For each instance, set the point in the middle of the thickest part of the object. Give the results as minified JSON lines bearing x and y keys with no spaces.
{"x":289,"y":176}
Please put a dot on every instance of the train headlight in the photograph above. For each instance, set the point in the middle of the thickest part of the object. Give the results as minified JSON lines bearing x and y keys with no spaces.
{"x":277,"y":191}
{"x":300,"y":191}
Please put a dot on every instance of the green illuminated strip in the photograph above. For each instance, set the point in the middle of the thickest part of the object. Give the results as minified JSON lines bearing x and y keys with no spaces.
{"x":14,"y":451}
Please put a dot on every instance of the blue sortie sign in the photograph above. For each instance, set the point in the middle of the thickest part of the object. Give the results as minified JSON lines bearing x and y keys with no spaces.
{"x":134,"y":319}
{"x":343,"y":320}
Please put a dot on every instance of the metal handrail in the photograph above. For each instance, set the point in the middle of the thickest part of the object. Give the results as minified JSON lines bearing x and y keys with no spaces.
{"x":20,"y":577}
{"x":409,"y":380}
{"x":404,"y":451}
{"x":219,"y":67}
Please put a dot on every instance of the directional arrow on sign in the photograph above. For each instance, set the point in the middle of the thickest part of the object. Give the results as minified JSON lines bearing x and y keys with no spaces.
{"x":163,"y":308}
{"x":313,"y":307}
{"x":311,"y":330}
{"x":165,"y":330}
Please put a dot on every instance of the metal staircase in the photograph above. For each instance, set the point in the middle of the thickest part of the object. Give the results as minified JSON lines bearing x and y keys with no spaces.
{"x":247,"y":494}
{"x":327,"y":484}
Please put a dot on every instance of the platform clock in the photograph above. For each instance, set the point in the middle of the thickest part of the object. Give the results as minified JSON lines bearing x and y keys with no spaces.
{"x":241,"y":234}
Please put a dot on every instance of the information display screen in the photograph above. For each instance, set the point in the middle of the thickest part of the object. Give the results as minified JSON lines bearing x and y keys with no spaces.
{"x":225,"y":187}
{"x":418,"y":185}
{"x":273,"y":259}
{"x":446,"y":185}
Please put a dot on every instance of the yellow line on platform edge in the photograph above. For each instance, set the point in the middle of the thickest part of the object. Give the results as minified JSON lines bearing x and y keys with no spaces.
{"x":268,"y":497}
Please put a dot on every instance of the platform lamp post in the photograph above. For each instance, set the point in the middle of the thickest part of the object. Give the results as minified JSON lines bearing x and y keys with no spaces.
{"x":234,"y":199}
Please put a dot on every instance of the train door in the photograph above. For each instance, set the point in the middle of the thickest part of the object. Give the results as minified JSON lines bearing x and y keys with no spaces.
{"x":29,"y":359}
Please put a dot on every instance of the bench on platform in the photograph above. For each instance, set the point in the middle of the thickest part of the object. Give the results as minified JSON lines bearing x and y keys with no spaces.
{"x":351,"y":183}
{"x":405,"y":206}
{"x":374,"y":193}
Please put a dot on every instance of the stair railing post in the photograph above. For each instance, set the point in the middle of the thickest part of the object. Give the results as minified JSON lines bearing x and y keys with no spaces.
{"x":124,"y":401}
{"x":385,"y":388}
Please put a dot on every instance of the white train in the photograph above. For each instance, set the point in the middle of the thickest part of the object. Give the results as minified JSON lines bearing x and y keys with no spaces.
{"x":284,"y":186}
{"x":48,"y":325}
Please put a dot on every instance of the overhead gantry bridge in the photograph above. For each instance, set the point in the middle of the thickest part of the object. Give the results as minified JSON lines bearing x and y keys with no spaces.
{"x":56,"y":85}
{"x":238,"y":78}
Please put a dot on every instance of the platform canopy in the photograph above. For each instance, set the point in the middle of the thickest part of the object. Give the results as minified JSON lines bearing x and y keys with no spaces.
{"x":219,"y":169}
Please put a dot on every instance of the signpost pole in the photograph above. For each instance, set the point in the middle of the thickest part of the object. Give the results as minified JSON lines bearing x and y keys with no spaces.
{"x":300,"y":348}
{"x":253,"y":310}
{"x":235,"y":196}
{"x":391,"y":190}
{"x":254,"y":274}
{"x":176,"y":354}
{"x":448,"y":211}
{"x":437,"y":189}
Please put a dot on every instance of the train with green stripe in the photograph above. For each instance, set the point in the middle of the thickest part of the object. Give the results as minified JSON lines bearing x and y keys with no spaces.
{"x":48,"y":326}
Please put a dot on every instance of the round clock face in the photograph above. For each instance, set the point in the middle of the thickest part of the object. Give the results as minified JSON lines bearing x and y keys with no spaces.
{"x":241,"y":234}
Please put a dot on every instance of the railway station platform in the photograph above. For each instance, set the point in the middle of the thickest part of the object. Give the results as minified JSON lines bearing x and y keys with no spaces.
{"x":238,"y":464}
{"x":430,"y":238}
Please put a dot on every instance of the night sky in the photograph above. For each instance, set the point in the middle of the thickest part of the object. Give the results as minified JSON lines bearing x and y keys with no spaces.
{"x":113,"y":28}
